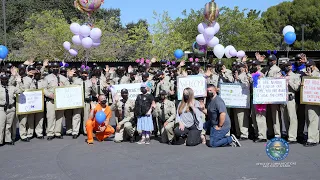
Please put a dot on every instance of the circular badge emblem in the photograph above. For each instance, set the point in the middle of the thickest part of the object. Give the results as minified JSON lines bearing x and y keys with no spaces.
{"x":277,"y":149}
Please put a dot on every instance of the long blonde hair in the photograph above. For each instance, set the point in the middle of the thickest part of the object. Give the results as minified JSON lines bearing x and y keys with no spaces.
{"x":184,"y":104}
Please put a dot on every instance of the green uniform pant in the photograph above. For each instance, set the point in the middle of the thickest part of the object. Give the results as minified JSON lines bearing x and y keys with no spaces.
{"x":54,"y":118}
{"x":290,"y":119}
{"x":241,"y":117}
{"x":125,"y":132}
{"x":313,"y":123}
{"x":6,"y":120}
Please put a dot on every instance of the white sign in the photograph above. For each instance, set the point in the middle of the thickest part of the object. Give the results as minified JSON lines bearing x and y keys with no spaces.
{"x":235,"y":95}
{"x":69,"y":97}
{"x":197,"y":83}
{"x":30,"y":102}
{"x":270,"y":91}
{"x":310,"y":91}
{"x":133,"y":89}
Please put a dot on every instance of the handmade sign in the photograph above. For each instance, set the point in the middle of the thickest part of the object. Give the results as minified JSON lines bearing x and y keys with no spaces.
{"x":235,"y":95}
{"x":68,"y":97}
{"x":196,"y":83}
{"x":133,"y":89}
{"x":310,"y":91}
{"x":270,"y":91}
{"x":30,"y":101}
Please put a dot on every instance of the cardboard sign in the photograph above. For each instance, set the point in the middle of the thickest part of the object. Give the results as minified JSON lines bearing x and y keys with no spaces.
{"x":310,"y":91}
{"x":133,"y":89}
{"x":235,"y":95}
{"x":270,"y":91}
{"x":69,"y":97}
{"x":196,"y":83}
{"x":30,"y":101}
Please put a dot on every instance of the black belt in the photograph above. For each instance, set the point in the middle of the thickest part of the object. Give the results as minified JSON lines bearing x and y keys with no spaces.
{"x":48,"y":99}
{"x":9,"y":106}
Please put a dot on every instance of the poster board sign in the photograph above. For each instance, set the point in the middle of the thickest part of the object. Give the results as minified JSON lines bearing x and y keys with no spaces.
{"x":235,"y":95}
{"x":133,"y":89}
{"x":197,"y":83}
{"x":68,"y":97}
{"x":270,"y":91}
{"x":310,"y":91}
{"x":30,"y":101}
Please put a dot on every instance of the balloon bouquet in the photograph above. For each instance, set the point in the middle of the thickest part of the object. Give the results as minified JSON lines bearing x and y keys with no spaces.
{"x":207,"y":38}
{"x":84,"y":35}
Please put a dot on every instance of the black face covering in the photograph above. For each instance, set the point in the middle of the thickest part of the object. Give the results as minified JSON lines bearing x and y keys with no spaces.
{"x":4,"y":82}
{"x":103,"y":102}
{"x":189,"y":72}
{"x":37,"y":76}
{"x":270,"y":63}
{"x":285,"y":69}
{"x":22,"y":72}
{"x":162,"y":97}
{"x":163,"y":66}
{"x":185,"y":98}
{"x":234,"y":69}
{"x":144,"y":79}
{"x":55,"y":71}
{"x":253,"y":70}
{"x":63,"y":74}
{"x":196,"y":71}
{"x":219,"y":69}
{"x":120,"y":73}
{"x":38,"y":67}
{"x":84,"y":77}
{"x":97,"y":74}
{"x":143,"y":90}
{"x":210,"y":94}
{"x":124,"y":97}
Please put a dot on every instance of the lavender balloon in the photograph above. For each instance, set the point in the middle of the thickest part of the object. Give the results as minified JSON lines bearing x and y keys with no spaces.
{"x":201,"y":27}
{"x":95,"y":33}
{"x":216,"y":27}
{"x":96,"y":42}
{"x":87,"y":42}
{"x":73,"y":52}
{"x":67,"y":45}
{"x":75,"y":28}
{"x":241,"y":54}
{"x":214,"y":41}
{"x":77,"y":39}
{"x":227,"y":51}
{"x":233,"y":52}
{"x":210,"y":32}
{"x":201,"y":39}
{"x":85,"y":30}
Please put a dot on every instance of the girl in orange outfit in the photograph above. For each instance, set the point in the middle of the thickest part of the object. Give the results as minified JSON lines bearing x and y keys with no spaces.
{"x":104,"y":130}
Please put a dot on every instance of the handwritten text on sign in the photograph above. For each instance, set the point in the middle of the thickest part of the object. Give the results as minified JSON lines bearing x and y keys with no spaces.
{"x":133,"y":89}
{"x":196,"y":83}
{"x":311,"y":91}
{"x":69,"y":97}
{"x":235,"y":95}
{"x":30,"y":102}
{"x":270,"y":91}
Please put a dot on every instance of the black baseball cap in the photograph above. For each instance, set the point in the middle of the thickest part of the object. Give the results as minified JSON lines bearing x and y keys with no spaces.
{"x":124,"y":91}
{"x":272,"y":57}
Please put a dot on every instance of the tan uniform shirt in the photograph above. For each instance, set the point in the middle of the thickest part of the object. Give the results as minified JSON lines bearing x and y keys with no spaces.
{"x":128,"y":111}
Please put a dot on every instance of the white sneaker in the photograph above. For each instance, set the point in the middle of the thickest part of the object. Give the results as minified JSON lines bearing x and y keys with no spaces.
{"x":142,"y":141}
{"x":233,"y":144}
{"x":235,"y":140}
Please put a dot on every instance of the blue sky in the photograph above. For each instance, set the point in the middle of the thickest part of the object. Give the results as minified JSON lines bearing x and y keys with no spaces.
{"x":133,"y":10}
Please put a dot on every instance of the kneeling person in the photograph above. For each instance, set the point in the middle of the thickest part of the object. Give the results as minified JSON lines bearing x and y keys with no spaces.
{"x":103,"y":130}
{"x":124,"y":110}
{"x":165,"y":113}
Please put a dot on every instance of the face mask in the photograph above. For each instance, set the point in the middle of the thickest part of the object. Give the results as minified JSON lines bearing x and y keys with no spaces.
{"x":163,"y":66}
{"x":55,"y":71}
{"x":185,"y":98}
{"x":4,"y":82}
{"x":270,"y":63}
{"x":162,"y":97}
{"x":253,"y":70}
{"x":98,"y":74}
{"x":210,"y":94}
{"x":37,"y":76}
{"x":189,"y":72}
{"x":219,"y":69}
{"x":38,"y":68}
{"x":196,"y":71}
{"x":124,"y":96}
{"x":103,"y":102}
{"x":64,"y":74}
{"x":22,"y":72}
{"x":285,"y":69}
{"x":132,"y":78}
{"x":234,"y":69}
{"x":84,"y":77}
{"x":144,"y":79}
{"x":143,"y":90}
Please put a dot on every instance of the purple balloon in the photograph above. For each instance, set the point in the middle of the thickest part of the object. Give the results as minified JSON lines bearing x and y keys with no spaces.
{"x":96,"y":42}
{"x":216,"y":27}
{"x":67,"y":45}
{"x":213,"y":41}
{"x":87,"y":42}
{"x":76,"y":39}
{"x":201,"y":40}
{"x":202,"y":27}
{"x":241,"y":54}
{"x":95,"y":33}
{"x":73,"y":52}
{"x":75,"y":28}
{"x":233,"y":52}
{"x":209,"y":32}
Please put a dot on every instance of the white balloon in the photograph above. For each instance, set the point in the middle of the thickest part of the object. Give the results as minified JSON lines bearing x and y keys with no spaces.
{"x":287,"y":29}
{"x":213,"y":42}
{"x":227,"y":51}
{"x":85,"y":30}
{"x":95,"y":33}
{"x":218,"y":51}
{"x":96,"y":42}
{"x":201,"y":40}
{"x":67,"y":45}
{"x":77,"y":39}
{"x":87,"y":42}
{"x":201,"y":27}
{"x":75,"y":28}
{"x":73,"y":52}
{"x":209,"y":32}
